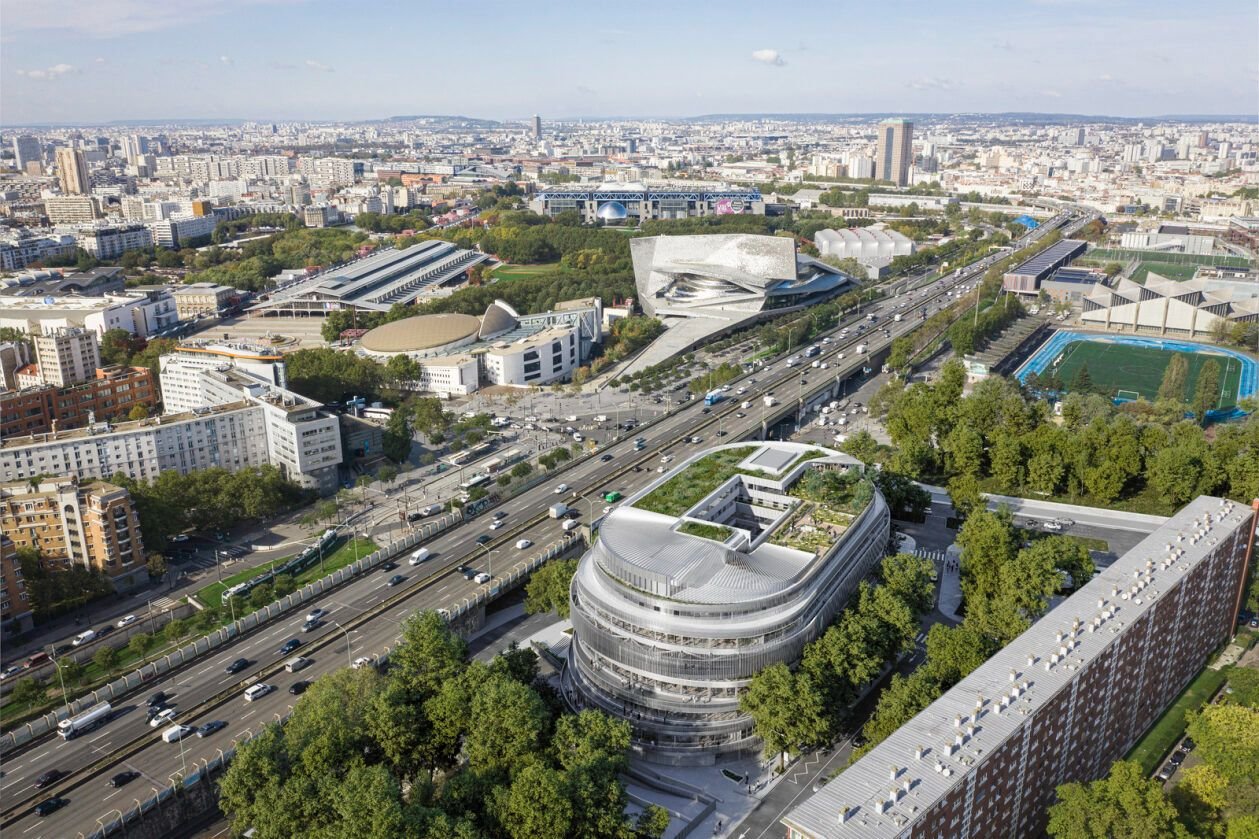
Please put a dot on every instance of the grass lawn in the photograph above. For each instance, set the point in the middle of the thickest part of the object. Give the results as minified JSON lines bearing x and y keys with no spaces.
{"x":1158,"y":741}
{"x":1171,"y":271}
{"x":716,"y":532}
{"x":684,"y":490}
{"x":516,"y":272}
{"x":212,"y":594}
{"x":1135,"y":368}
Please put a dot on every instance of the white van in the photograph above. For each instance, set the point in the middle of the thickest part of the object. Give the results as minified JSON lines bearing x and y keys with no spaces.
{"x":176,"y":733}
{"x":257,"y":691}
{"x":295,"y":664}
{"x":84,"y":637}
{"x":419,"y":556}
{"x":570,"y":525}
{"x":523,"y":544}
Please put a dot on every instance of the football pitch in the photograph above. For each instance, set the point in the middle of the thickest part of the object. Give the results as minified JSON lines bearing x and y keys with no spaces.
{"x":1114,"y":367}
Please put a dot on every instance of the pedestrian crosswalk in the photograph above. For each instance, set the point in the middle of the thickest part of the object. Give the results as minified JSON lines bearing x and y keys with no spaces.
{"x":936,"y":555}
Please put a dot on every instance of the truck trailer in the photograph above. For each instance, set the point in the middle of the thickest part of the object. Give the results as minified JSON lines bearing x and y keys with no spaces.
{"x":91,"y":718}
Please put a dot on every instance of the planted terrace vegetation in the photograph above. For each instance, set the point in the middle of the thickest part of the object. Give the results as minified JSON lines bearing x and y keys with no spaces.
{"x":685,"y":489}
{"x":716,"y":532}
{"x":829,"y":502}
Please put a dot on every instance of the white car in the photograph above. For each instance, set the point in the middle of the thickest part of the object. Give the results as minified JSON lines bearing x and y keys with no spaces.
{"x":126,"y":621}
{"x":315,"y":614}
{"x":361,"y":662}
{"x":257,"y":691}
{"x":495,"y":525}
{"x":561,"y":489}
{"x":522,"y":544}
{"x":1052,"y":526}
{"x":162,"y":717}
{"x":482,"y":578}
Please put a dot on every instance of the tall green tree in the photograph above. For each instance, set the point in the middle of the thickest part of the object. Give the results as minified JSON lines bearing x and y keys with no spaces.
{"x":786,"y":710}
{"x":547,"y":589}
{"x":429,"y":653}
{"x":1175,"y":378}
{"x":1206,"y":393}
{"x":1123,"y":805}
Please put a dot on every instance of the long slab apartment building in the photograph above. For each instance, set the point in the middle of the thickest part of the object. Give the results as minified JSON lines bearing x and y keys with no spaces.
{"x":1060,"y":703}
{"x":227,"y":416}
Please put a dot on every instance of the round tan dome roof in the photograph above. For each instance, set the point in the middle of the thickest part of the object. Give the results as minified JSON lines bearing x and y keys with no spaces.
{"x":424,"y":332}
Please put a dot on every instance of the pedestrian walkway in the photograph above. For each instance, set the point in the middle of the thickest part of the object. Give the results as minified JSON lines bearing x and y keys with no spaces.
{"x":951,"y":583}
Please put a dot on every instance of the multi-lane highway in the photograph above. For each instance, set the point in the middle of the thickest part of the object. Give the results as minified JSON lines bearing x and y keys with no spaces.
{"x":202,"y":691}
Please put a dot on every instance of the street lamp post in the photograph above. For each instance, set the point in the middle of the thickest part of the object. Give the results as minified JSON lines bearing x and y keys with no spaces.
{"x":65,"y":697}
{"x":349,"y":658}
{"x":489,"y":559}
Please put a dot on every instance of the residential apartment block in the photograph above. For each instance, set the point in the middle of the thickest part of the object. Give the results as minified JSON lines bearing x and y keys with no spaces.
{"x":1060,"y":703}
{"x":90,"y":524}
{"x":111,"y":395}
{"x":67,"y":356}
{"x":16,"y":616}
{"x":245,"y":422}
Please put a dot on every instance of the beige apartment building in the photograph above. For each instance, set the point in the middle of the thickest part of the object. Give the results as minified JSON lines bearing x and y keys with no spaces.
{"x":93,"y":525}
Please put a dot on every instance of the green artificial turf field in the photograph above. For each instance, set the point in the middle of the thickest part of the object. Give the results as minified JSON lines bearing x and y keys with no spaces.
{"x":1114,"y":367}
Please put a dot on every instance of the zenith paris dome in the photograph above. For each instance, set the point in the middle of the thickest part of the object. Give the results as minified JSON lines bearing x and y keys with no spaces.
{"x":729,"y":563}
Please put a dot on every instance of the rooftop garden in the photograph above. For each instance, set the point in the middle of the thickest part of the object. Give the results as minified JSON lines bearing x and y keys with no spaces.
{"x":687,"y":488}
{"x":831,"y":500}
{"x":716,"y":532}
{"x":811,"y":454}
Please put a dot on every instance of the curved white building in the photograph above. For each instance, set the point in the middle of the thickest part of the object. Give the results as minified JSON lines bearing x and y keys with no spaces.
{"x":723,"y":566}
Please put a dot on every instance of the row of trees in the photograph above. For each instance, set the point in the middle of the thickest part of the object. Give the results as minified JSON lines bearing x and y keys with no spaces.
{"x":1001,"y":439}
{"x":1216,"y":798}
{"x":794,"y":710}
{"x":1005,"y":588}
{"x":438,"y":747}
{"x":208,"y":499}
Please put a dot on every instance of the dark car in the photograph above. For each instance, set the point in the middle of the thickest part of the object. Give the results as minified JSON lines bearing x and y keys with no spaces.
{"x":123,"y":778}
{"x":157,"y":699}
{"x":500,"y":514}
{"x":211,"y":727}
{"x":1188,"y":745}
{"x":1166,"y":772}
{"x":237,"y":665}
{"x":395,"y":580}
{"x":1178,"y":757}
{"x":311,"y":626}
{"x":483,"y":538}
{"x":298,"y":688}
{"x":706,"y":410}
{"x":290,"y":645}
{"x":605,"y":458}
{"x":48,"y":778}
{"x":469,"y":573}
{"x":388,"y":566}
{"x":105,"y":630}
{"x":52,"y":805}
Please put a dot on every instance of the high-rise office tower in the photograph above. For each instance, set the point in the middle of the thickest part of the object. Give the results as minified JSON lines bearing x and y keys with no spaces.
{"x":895,"y":153}
{"x":537,"y":127}
{"x":134,"y":148}
{"x":72,"y":171}
{"x":26,"y":149}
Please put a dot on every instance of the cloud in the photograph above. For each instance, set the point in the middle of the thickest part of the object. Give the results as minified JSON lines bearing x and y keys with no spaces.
{"x":316,"y":65}
{"x":1052,"y":94}
{"x":56,"y":71}
{"x":1105,"y":77}
{"x":932,"y":83}
{"x":1004,"y":45}
{"x":772,"y":57}
{"x":224,"y":59}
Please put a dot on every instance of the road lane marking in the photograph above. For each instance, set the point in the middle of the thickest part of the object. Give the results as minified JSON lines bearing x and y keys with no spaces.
{"x":248,"y":714}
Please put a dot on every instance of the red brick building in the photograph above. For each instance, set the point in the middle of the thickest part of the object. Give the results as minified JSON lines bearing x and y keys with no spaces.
{"x":112,"y":394}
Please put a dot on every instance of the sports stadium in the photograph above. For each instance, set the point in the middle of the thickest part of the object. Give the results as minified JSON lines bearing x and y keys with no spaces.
{"x":1128,"y":367}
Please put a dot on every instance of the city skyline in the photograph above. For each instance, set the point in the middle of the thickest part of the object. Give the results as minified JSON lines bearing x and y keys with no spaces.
{"x":64,"y":62}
